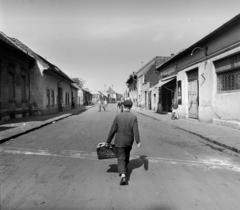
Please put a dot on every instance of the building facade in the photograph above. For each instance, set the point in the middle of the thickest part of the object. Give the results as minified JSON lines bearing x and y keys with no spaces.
{"x":112,"y":95}
{"x":208,"y":77}
{"x":141,"y":83}
{"x":48,"y":89}
{"x":87,"y":96}
{"x":15,"y":67}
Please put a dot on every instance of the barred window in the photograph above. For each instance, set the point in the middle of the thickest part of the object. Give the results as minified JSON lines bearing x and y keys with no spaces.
{"x":228,"y":81}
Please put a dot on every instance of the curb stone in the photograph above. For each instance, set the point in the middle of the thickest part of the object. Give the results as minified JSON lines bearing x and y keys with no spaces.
{"x":232,"y":148}
{"x":23,"y":130}
{"x":18,"y":131}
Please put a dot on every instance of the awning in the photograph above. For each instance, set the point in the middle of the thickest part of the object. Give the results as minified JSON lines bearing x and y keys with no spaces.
{"x":161,"y":83}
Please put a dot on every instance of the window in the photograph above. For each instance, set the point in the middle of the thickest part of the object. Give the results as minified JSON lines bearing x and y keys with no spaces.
{"x":11,"y":85}
{"x":154,"y":98}
{"x":228,"y":81}
{"x":23,"y":87}
{"x":67,"y":98}
{"x":48,"y":97}
{"x":53,"y":102}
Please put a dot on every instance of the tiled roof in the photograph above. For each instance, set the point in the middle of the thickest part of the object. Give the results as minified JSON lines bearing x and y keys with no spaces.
{"x":200,"y":42}
{"x":111,"y":91}
{"x":46,"y":64}
{"x":75,"y":86}
{"x":95,"y":92}
{"x":155,"y":61}
{"x":103,"y":93}
{"x":10,"y":42}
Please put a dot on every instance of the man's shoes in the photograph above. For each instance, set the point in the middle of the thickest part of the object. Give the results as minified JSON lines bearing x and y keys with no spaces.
{"x":123,"y":181}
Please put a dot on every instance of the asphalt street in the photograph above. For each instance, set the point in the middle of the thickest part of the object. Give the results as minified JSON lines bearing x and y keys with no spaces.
{"x":56,"y":168}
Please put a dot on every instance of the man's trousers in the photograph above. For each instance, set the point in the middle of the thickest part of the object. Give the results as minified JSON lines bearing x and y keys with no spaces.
{"x":123,"y":156}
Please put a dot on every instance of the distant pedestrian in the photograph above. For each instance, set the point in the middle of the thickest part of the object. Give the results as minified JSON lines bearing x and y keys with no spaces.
{"x":100,"y":105}
{"x":175,"y":109}
{"x":125,"y":130}
{"x":121,"y":104}
{"x":105,"y":104}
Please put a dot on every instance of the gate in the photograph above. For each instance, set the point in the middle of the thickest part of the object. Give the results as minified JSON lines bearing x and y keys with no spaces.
{"x":193,"y":97}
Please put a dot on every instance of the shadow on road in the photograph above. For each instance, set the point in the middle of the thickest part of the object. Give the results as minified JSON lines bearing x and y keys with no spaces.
{"x":162,"y":113}
{"x":161,"y":207}
{"x":133,"y":164}
{"x":137,"y":163}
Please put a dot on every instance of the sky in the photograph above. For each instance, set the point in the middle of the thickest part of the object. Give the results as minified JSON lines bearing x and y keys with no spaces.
{"x":104,"y":41}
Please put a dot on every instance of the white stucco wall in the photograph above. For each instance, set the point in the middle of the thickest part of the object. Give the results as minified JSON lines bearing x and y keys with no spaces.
{"x":139,"y":90}
{"x":183,"y":108}
{"x":36,"y":85}
{"x":205,"y":79}
{"x":154,"y":103}
{"x":80,"y":98}
{"x":205,"y":84}
{"x":226,"y":105}
{"x":212,"y":105}
{"x":51,"y":83}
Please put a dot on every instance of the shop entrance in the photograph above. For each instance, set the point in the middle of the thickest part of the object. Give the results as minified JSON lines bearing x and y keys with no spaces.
{"x":168,"y":92}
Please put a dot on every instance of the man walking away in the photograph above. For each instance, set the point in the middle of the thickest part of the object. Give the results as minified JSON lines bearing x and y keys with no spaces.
{"x":125,"y":129}
{"x":119,"y":104}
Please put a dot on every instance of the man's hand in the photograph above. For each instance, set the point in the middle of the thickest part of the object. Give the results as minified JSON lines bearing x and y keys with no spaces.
{"x":139,"y":144}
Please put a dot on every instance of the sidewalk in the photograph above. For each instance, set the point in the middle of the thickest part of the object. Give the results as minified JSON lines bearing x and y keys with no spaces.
{"x":221,"y":135}
{"x":15,"y":127}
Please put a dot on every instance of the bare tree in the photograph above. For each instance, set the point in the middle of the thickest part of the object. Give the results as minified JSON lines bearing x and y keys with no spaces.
{"x":79,"y":81}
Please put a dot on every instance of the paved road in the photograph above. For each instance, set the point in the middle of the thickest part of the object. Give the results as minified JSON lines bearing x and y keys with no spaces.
{"x":56,"y":167}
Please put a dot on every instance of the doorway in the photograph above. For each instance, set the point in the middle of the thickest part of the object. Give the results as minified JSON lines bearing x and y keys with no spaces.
{"x":193,"y":94}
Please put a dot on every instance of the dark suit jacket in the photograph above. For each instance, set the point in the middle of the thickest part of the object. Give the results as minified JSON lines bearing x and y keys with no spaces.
{"x":125,"y":126}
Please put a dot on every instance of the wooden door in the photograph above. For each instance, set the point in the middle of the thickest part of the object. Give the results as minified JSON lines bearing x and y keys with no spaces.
{"x":193,"y":99}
